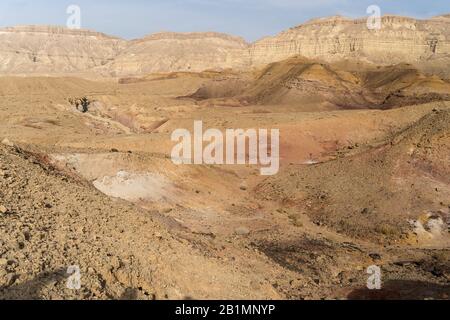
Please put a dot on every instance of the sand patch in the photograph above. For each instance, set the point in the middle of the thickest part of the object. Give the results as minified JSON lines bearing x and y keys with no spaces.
{"x":134,"y":186}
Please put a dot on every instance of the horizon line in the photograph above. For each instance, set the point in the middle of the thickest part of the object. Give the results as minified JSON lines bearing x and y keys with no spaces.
{"x":92,"y":30}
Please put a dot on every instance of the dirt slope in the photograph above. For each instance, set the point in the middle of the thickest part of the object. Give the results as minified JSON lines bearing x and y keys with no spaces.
{"x":342,"y":85}
{"x":50,"y":221}
{"x":376,"y":193}
{"x":349,"y":182}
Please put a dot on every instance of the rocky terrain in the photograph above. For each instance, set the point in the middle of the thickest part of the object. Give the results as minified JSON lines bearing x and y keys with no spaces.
{"x":334,"y":86}
{"x":49,"y":50}
{"x":44,"y":50}
{"x":86,"y":177}
{"x":171,"y":52}
{"x":400,"y":39}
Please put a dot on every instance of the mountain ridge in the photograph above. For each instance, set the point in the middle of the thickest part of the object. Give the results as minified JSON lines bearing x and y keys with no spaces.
{"x":48,"y":50}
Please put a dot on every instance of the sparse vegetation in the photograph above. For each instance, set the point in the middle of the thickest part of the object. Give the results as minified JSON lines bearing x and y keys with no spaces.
{"x":355,"y":187}
{"x":81,"y":104}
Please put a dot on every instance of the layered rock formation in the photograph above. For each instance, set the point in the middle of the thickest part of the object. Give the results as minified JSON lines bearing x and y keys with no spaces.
{"x":56,"y":50}
{"x":400,"y":39}
{"x":169,"y":52}
{"x":49,"y":50}
{"x":341,"y":85}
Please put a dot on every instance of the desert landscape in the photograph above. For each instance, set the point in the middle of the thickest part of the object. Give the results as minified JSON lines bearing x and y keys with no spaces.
{"x":87,"y":177}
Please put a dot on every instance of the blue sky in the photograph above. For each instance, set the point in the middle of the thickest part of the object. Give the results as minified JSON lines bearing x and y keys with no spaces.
{"x":251,"y":19}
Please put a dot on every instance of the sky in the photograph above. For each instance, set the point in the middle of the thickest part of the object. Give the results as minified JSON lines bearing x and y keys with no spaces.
{"x":250,"y":19}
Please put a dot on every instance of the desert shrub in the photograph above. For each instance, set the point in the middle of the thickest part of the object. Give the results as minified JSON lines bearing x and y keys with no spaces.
{"x":81,"y":104}
{"x":85,"y":104}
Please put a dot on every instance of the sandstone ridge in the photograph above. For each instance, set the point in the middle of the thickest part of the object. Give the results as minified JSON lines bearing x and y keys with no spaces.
{"x":50,"y":50}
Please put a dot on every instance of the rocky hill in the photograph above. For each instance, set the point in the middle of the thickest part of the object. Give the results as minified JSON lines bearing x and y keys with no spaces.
{"x":57,"y":50}
{"x":400,"y":39}
{"x":342,"y":85}
{"x":50,"y":50}
{"x":170,"y":52}
{"x":55,"y":225}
